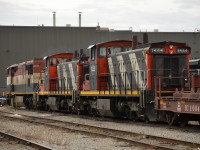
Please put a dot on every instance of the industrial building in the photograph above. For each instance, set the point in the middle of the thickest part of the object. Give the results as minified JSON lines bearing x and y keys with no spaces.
{"x":22,"y":43}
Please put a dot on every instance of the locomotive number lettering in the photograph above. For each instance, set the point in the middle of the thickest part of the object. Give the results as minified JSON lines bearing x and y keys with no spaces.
{"x":92,"y":68}
{"x":192,"y":108}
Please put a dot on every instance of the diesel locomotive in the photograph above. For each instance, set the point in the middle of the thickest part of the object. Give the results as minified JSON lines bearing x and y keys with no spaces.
{"x":121,"y":78}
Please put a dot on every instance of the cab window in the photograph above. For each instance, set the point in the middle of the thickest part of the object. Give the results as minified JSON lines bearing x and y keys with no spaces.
{"x":102,"y":52}
{"x":114,"y":50}
{"x":127,"y":48}
{"x":93,"y":53}
{"x":52,"y":61}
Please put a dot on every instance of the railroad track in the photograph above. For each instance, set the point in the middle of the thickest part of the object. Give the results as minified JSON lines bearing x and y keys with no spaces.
{"x":24,"y":141}
{"x":140,"y":140}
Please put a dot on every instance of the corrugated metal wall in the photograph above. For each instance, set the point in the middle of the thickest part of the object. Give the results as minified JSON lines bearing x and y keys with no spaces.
{"x":18,"y":44}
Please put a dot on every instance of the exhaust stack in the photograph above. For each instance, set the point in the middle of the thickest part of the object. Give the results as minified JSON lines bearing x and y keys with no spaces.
{"x":82,"y":54}
{"x":75,"y":54}
{"x":79,"y":18}
{"x":145,"y":38}
{"x":54,"y":18}
{"x":134,"y":42}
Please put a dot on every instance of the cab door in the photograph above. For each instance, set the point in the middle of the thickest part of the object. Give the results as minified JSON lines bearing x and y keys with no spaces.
{"x":93,"y":68}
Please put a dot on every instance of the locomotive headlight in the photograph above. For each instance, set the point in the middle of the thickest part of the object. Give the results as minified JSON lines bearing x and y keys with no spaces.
{"x":156,"y":50}
{"x":182,"y":50}
{"x":171,"y":46}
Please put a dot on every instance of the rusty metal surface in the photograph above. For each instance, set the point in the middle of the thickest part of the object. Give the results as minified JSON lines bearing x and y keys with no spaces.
{"x":180,"y":106}
{"x":193,"y":95}
{"x":195,"y":81}
{"x":180,"y":102}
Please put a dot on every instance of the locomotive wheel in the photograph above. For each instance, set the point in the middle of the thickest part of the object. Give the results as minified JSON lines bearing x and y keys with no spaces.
{"x":30,"y":103}
{"x":171,"y":118}
{"x":131,"y":115}
{"x":78,"y":112}
{"x":88,"y":109}
{"x":146,"y":119}
{"x":184,"y":120}
{"x":66,"y":108}
{"x":128,"y":113}
{"x":70,"y":109}
{"x":48,"y":108}
{"x":135,"y":116}
{"x":94,"y":112}
{"x":184,"y":123}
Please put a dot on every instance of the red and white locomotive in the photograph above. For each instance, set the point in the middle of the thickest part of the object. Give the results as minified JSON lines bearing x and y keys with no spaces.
{"x":119,"y":78}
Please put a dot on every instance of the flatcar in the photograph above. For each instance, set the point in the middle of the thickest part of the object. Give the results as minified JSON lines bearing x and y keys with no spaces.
{"x":195,"y":64}
{"x":195,"y":74}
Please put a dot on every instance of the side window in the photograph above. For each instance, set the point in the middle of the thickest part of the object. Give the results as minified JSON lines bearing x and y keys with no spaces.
{"x":29,"y":82}
{"x":114,"y":50}
{"x":29,"y":68}
{"x":102,"y":52}
{"x":53,"y":61}
{"x":41,"y":81}
{"x":46,"y":62}
{"x":127,"y":48}
{"x":93,"y":53}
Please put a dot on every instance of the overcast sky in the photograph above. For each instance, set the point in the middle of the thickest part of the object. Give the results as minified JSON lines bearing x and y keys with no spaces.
{"x":140,"y":15}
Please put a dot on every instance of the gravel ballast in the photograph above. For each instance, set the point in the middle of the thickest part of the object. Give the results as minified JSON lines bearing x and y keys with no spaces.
{"x":77,"y":141}
{"x":58,"y":139}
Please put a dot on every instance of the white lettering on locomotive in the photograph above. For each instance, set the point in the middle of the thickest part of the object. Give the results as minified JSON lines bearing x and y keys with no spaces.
{"x":164,"y":105}
{"x":179,"y":106}
{"x":192,"y":108}
{"x":92,"y":68}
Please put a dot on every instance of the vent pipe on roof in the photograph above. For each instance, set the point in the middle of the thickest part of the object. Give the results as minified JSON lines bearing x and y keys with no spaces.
{"x":81,"y":53}
{"x":54,"y":18}
{"x":145,"y":38}
{"x":98,"y":26}
{"x":75,"y":54}
{"x":79,"y":18}
{"x":134,"y":42}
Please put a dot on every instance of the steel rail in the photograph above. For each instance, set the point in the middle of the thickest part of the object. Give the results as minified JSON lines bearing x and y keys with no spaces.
{"x":106,"y":132}
{"x":25,"y":141}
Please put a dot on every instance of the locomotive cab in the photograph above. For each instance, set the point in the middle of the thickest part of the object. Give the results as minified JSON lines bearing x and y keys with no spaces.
{"x":51,"y":62}
{"x":98,"y":59}
{"x":10,"y":77}
{"x":168,"y":67}
{"x":168,"y":72}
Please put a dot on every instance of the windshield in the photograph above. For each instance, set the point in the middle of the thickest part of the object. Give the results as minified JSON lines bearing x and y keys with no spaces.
{"x":170,"y":65}
{"x":172,"y":69}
